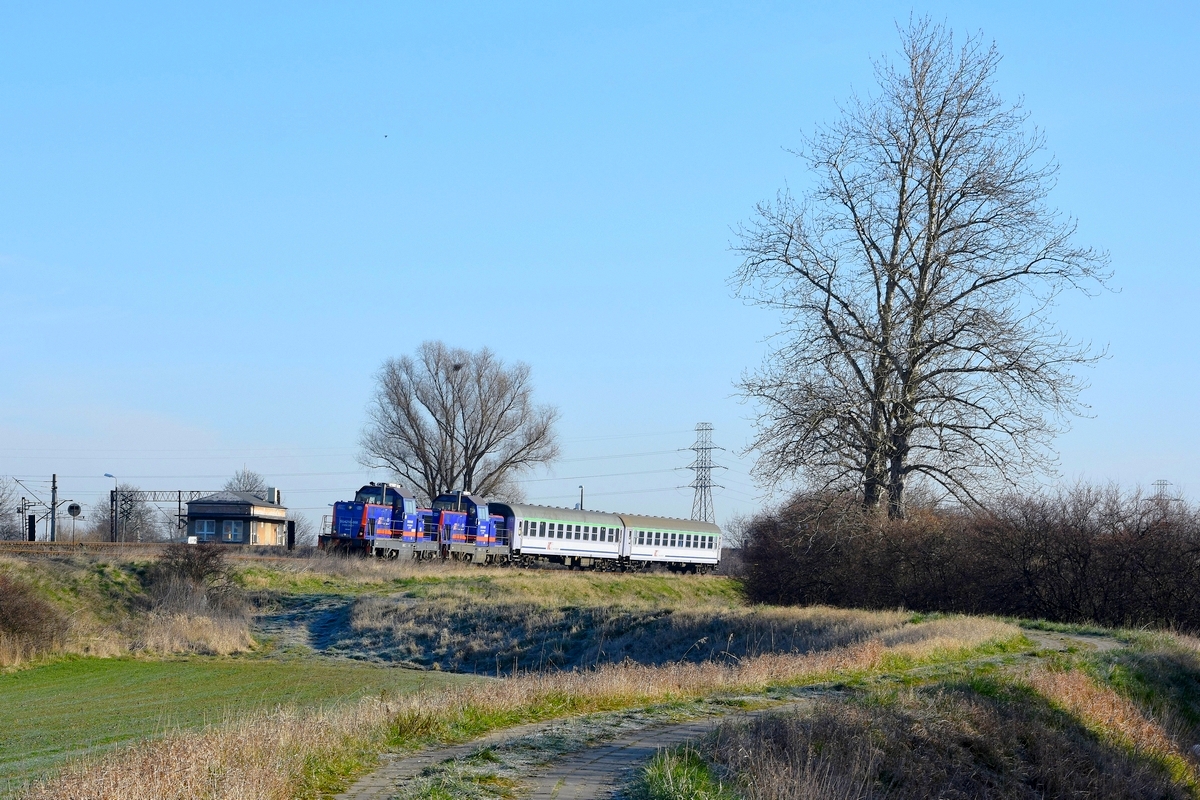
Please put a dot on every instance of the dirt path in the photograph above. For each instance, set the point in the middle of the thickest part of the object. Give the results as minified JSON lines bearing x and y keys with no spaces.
{"x":1053,"y":640}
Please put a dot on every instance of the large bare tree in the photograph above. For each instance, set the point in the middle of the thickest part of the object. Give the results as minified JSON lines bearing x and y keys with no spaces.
{"x":450,"y":419}
{"x":916,"y":280}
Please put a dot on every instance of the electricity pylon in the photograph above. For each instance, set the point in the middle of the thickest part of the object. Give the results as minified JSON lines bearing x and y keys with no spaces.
{"x":702,"y":505}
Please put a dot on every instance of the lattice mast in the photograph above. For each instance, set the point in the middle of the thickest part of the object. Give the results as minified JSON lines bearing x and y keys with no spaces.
{"x":702,"y":465}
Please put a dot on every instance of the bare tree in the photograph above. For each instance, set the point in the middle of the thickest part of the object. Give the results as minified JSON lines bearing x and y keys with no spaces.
{"x":247,"y":480}
{"x":452,"y":419}
{"x":11,"y":524}
{"x":916,"y":282}
{"x":306,"y":530}
{"x":137,"y":520}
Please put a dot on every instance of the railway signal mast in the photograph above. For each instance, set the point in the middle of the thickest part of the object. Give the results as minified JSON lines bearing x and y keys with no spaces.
{"x":702,"y":465}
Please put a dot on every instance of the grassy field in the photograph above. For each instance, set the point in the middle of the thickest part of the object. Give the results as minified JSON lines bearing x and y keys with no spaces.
{"x":931,"y":696}
{"x":81,"y":706}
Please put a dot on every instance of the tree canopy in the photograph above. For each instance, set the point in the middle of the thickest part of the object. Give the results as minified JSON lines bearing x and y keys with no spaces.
{"x":916,"y":281}
{"x":450,"y":419}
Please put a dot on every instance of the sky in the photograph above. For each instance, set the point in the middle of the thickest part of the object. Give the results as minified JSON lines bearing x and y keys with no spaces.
{"x":217,"y":222}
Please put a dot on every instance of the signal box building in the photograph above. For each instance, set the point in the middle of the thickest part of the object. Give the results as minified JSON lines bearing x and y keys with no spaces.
{"x":238,"y":518}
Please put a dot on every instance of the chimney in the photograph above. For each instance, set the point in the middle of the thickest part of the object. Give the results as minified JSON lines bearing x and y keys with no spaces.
{"x":273,"y":496}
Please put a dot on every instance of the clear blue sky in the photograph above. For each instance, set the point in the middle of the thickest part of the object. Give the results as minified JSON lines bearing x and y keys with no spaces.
{"x":216,"y":223}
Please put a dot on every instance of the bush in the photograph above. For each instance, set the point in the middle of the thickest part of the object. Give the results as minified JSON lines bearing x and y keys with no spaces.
{"x":28,"y":624}
{"x":194,"y":579}
{"x":1086,"y":555}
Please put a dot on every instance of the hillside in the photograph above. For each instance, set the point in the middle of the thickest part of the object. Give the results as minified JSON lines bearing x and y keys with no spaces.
{"x":861,"y":699}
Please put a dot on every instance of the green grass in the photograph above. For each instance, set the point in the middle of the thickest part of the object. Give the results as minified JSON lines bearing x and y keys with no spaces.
{"x":679,"y":774}
{"x":79,"y":706}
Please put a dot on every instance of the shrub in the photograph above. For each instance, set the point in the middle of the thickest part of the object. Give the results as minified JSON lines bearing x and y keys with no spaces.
{"x":28,"y":624}
{"x":1084,"y":555}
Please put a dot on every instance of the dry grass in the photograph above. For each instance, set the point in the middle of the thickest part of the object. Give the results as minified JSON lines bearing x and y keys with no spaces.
{"x":286,"y":755}
{"x":100,"y":608}
{"x":1112,"y":716}
{"x":515,"y":633}
{"x":167,"y":633}
{"x":936,"y":742}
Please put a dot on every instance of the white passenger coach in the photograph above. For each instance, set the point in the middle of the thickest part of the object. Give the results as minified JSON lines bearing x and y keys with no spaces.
{"x":599,"y":540}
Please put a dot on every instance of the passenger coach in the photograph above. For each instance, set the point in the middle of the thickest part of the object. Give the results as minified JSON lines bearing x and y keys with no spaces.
{"x":563,"y":535}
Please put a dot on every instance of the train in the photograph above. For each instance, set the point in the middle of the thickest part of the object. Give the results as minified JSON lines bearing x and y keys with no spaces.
{"x":385,"y":522}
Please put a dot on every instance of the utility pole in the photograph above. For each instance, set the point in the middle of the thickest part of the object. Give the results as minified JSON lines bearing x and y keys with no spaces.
{"x":702,"y":505}
{"x":53,"y":506}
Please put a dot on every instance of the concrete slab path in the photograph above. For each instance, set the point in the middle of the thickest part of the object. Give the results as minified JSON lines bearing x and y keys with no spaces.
{"x":597,"y":773}
{"x":383,"y":782}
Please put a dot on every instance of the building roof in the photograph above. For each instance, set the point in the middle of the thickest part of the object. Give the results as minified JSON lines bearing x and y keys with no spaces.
{"x":244,"y":505}
{"x":227,"y":498}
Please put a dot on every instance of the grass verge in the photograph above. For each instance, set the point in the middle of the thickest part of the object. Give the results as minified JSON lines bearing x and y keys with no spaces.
{"x":288,"y":754}
{"x":80,"y":707}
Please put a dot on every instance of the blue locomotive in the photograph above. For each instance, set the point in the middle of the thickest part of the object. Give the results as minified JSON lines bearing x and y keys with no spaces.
{"x":384,"y":522}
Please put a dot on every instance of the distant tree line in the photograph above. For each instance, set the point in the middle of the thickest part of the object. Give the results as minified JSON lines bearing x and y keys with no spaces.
{"x":1082,"y":555}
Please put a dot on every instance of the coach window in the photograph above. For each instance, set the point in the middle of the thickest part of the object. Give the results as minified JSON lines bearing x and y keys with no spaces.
{"x":559,"y":531}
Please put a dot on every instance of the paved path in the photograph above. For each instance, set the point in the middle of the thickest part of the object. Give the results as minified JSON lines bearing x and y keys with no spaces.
{"x":382,"y":783}
{"x":595,"y":772}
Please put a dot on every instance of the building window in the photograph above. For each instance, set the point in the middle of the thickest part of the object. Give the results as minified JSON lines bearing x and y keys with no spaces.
{"x":231,"y":530}
{"x":206,"y":529}
{"x":254,"y":525}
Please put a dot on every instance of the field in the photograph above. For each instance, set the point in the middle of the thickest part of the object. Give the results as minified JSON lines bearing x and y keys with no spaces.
{"x":927,"y":695}
{"x":81,"y":706}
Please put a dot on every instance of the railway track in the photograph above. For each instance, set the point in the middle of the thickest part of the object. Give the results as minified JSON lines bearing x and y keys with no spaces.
{"x":118,"y":548}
